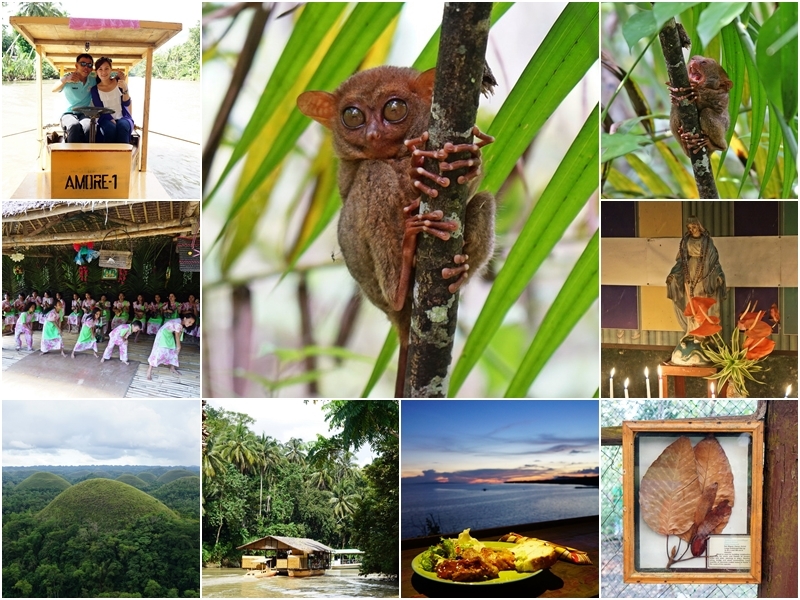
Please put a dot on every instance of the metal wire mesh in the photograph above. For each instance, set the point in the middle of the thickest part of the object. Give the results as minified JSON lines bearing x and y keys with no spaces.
{"x":612,"y":414}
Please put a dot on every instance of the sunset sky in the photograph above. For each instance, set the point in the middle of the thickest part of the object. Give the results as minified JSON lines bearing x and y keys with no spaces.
{"x":491,"y":441}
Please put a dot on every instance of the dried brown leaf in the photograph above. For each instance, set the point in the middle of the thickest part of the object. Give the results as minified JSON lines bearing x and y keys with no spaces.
{"x":713,"y":468}
{"x":670,"y":491}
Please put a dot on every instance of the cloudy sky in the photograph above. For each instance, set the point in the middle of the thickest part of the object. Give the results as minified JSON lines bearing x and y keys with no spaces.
{"x":491,"y":441}
{"x":89,"y":432}
{"x":287,"y":418}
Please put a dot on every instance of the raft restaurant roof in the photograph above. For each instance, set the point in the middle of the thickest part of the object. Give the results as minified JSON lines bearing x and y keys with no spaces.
{"x":29,"y":223}
{"x":275,"y":542}
{"x":61,"y":39}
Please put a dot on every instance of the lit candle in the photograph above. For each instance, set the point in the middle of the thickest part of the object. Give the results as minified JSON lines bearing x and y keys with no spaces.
{"x":626,"y":387}
{"x":713,"y":395}
{"x":660,"y":389}
{"x":647,"y":380}
{"x":611,"y":384}
{"x":788,"y":391}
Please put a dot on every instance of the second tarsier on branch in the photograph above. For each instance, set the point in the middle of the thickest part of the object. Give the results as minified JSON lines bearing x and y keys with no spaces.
{"x":378,"y":118}
{"x":710,"y":88}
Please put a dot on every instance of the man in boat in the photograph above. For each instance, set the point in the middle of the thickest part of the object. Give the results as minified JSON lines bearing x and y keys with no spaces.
{"x":76,"y":87}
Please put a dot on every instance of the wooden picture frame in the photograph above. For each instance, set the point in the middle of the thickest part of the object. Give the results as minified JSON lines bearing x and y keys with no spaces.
{"x":109,"y":274}
{"x":728,"y":537}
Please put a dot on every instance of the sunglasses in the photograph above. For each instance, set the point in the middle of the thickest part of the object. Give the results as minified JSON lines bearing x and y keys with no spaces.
{"x":85,"y":64}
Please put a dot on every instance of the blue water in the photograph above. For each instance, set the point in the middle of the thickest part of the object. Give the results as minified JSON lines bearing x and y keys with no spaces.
{"x":456,"y":506}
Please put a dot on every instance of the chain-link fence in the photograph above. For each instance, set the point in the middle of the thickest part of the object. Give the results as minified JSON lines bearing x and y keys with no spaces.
{"x":612,"y":414}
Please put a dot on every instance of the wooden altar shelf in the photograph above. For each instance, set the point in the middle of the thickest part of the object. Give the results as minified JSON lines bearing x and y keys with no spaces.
{"x":680,"y":372}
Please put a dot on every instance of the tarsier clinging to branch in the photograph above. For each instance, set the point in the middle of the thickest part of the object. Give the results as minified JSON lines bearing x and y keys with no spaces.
{"x":710,"y":87}
{"x":378,"y":118}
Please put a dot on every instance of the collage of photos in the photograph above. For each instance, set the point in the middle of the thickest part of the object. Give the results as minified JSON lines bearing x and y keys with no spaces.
{"x":501,"y":300}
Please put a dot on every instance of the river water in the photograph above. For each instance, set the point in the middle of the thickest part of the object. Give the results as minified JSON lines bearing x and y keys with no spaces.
{"x":232,"y":583}
{"x":456,"y":506}
{"x":175,"y":110}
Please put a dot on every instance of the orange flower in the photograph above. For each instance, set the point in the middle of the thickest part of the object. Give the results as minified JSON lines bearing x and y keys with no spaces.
{"x":707,"y":327}
{"x":699,"y":305}
{"x":758,"y":348}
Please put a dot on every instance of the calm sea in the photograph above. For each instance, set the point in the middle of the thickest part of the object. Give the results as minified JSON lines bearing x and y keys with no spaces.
{"x":455,"y":506}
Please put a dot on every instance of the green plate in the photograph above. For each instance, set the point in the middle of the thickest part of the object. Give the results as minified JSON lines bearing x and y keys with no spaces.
{"x":505,"y":576}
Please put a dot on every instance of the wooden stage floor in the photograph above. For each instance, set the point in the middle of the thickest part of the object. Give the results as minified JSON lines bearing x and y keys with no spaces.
{"x":163,"y":385}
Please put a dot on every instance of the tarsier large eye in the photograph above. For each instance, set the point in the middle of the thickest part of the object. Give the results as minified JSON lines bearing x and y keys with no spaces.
{"x":352,"y":117}
{"x":395,"y":110}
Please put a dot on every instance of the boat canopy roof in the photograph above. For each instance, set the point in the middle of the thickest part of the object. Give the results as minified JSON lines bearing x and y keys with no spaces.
{"x":350,"y":551}
{"x":60,"y":40}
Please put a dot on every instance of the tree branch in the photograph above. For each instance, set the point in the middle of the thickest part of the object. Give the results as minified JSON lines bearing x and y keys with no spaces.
{"x":687,"y":110}
{"x":459,"y":71}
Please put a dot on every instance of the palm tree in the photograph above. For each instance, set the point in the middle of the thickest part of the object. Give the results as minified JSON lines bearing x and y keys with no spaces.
{"x":41,"y":9}
{"x":239,"y":447}
{"x":294,"y":451}
{"x":269,"y":456}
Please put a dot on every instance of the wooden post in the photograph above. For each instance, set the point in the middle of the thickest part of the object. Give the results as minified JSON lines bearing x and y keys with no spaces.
{"x":42,"y":153}
{"x":779,"y":547}
{"x":146,"y":111}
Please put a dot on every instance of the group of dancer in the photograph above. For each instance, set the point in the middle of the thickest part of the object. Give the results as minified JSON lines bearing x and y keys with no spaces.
{"x":167,"y":321}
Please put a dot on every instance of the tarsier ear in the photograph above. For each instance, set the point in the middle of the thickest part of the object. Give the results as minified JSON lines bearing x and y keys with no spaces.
{"x":320,"y":106}
{"x":424,"y":84}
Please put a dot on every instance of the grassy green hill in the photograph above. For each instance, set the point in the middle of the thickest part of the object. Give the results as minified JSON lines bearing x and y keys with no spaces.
{"x":174,"y":474}
{"x":111,"y":504}
{"x":133,"y":480}
{"x":43,"y":481}
{"x":148,"y":477}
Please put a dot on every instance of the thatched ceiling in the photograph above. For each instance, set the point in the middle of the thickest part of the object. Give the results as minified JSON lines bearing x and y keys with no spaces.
{"x":28,"y":223}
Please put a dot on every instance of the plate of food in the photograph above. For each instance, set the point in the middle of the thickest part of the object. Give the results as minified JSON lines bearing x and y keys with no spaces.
{"x":467,"y":561}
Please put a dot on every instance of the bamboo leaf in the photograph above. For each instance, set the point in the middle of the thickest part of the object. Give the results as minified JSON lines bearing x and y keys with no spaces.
{"x":384,"y":356}
{"x":620,"y":144}
{"x":566,"y":193}
{"x":566,"y":53}
{"x":641,"y":25}
{"x":313,"y":26}
{"x":780,"y":62}
{"x":715,"y":17}
{"x":576,"y":296}
{"x":427,"y":58}
{"x":657,"y":186}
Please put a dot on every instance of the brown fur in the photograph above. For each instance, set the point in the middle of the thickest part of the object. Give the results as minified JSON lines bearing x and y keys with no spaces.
{"x":375,"y":182}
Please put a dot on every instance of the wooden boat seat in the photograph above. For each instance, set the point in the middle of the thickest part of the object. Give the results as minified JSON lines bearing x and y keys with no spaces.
{"x":92,"y":171}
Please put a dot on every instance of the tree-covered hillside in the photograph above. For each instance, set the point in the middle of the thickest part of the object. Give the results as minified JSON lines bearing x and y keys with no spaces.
{"x":99,"y":537}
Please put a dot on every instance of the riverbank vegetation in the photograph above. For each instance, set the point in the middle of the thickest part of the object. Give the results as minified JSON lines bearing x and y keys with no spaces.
{"x":255,"y":485}
{"x":19,"y":58}
{"x":68,"y":532}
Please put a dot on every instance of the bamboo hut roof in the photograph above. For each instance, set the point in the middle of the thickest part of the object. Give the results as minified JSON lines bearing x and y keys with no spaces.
{"x":61,"y":39}
{"x":275,"y":542}
{"x":28,"y":223}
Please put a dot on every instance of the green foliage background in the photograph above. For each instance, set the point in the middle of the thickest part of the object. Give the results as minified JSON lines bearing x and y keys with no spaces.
{"x":756,"y":44}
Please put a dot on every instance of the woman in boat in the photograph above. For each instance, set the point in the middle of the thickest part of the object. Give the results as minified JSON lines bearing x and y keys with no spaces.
{"x":51,"y":334}
{"x":24,"y":327}
{"x":86,"y":339}
{"x":111,"y":91}
{"x":167,"y":344}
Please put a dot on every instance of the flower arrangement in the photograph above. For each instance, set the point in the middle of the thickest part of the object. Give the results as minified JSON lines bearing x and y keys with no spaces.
{"x":749,"y":344}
